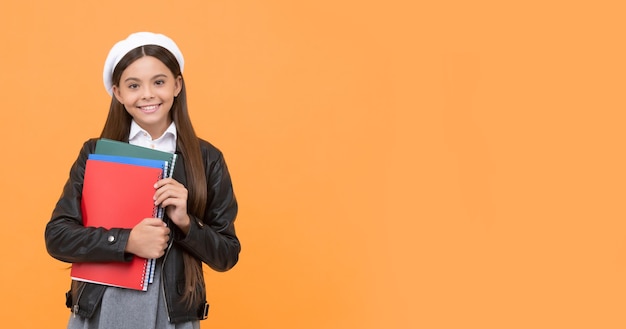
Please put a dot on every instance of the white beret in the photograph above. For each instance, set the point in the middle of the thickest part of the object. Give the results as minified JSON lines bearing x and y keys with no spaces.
{"x":133,"y":41}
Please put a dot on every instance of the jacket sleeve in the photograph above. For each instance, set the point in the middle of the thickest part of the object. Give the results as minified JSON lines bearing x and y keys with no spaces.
{"x":67,"y":239}
{"x":212,"y":239}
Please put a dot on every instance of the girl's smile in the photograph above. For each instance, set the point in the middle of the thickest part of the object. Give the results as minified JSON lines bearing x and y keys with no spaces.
{"x":149,"y":108}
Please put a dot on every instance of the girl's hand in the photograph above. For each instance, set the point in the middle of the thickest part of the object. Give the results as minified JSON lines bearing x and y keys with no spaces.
{"x":149,"y":238}
{"x":172,"y":196}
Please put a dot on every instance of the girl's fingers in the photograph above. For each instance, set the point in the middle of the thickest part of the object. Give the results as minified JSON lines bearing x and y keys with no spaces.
{"x":164,"y":194}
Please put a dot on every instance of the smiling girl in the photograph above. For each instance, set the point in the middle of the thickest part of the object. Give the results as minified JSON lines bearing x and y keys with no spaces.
{"x":143,"y":74}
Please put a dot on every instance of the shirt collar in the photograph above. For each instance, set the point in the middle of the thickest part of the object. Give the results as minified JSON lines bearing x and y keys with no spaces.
{"x":135,"y":129}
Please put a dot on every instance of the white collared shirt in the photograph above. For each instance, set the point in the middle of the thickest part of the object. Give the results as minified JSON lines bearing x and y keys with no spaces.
{"x":166,"y":142}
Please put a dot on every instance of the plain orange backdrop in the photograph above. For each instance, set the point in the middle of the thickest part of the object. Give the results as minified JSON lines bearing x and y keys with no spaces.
{"x":398,"y":164}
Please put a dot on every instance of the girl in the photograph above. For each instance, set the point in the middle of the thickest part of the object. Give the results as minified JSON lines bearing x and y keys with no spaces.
{"x":143,"y":74}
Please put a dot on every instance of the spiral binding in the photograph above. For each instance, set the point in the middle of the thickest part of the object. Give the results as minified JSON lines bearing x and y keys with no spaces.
{"x":158,"y":213}
{"x":144,"y":282}
{"x":174,"y":157}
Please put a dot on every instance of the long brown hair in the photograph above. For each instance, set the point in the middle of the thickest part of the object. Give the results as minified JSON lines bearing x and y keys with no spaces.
{"x":117,"y":127}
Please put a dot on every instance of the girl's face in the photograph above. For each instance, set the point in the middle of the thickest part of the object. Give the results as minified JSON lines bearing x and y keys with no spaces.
{"x":147,"y":89}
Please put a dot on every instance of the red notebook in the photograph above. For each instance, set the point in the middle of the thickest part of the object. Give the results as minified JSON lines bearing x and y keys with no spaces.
{"x":116,"y":195}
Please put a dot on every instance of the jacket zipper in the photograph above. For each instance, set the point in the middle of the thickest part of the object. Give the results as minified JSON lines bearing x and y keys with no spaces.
{"x":75,"y":308}
{"x":163,"y":280}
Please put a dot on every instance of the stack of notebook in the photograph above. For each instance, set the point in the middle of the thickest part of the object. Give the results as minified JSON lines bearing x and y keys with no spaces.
{"x":118,"y":191}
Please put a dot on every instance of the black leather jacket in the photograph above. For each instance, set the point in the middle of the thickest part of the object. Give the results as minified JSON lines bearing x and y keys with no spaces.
{"x":211,"y":239}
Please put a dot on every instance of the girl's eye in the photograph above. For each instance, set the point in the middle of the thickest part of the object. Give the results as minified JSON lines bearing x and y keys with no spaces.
{"x":159,"y":82}
{"x":133,"y":86}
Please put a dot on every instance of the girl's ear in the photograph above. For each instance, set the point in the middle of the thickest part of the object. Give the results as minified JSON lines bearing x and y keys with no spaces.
{"x":116,"y":93}
{"x":178,"y":85}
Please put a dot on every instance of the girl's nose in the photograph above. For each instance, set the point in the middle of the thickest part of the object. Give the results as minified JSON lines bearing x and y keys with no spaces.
{"x":147,"y":93}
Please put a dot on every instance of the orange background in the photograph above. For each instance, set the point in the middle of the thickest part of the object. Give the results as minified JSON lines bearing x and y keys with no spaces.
{"x":399,"y":164}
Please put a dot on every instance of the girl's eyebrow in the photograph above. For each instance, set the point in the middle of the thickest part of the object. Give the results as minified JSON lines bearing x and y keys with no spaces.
{"x":160,"y":75}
